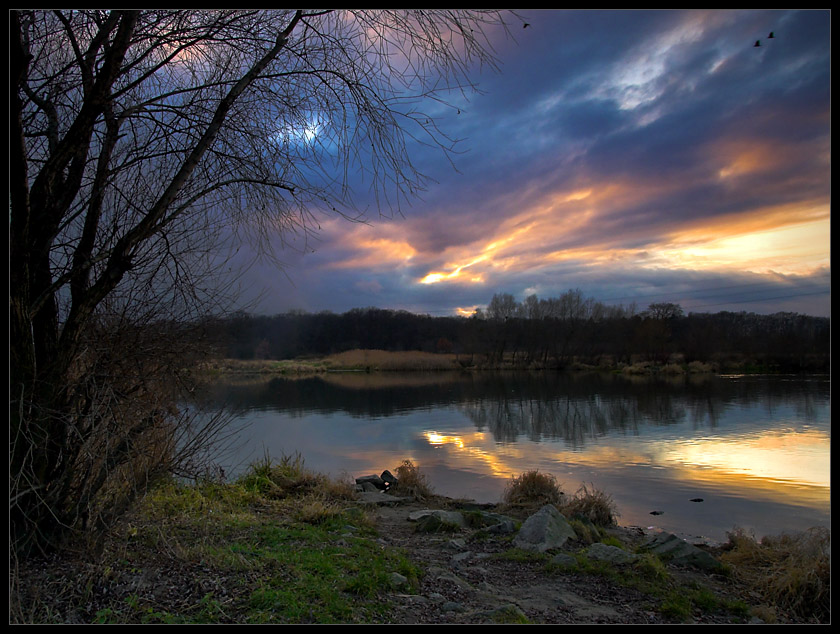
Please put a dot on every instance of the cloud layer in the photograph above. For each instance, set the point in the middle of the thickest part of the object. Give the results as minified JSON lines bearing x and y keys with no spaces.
{"x":637,"y":155}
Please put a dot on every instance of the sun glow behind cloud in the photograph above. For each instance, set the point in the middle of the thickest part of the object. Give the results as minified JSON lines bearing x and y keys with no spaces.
{"x":674,"y":150}
{"x":789,"y":250}
{"x":787,"y":239}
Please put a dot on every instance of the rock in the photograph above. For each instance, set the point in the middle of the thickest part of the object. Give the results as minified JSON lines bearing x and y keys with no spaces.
{"x":544,"y":530}
{"x":373,"y":480}
{"x":679,"y":551}
{"x":453,"y":518}
{"x":397,"y":580}
{"x":610,"y":554}
{"x":389,"y":479}
{"x":443,"y":576}
{"x":442,"y":522}
{"x":460,"y":557}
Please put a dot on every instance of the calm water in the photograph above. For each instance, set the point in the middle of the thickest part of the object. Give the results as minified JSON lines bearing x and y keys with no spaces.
{"x":756,"y":449}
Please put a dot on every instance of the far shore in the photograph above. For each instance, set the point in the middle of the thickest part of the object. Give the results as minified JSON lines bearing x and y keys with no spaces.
{"x":418,"y":361}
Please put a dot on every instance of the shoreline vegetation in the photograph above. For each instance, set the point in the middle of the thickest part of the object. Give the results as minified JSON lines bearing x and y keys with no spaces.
{"x":419,"y":361}
{"x":282,"y":544}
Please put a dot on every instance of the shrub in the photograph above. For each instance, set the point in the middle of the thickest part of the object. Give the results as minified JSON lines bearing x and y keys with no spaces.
{"x":533,"y":488}
{"x":593,"y":504}
{"x":410,"y":481}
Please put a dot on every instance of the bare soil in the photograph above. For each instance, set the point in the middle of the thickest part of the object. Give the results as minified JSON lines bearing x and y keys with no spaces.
{"x":464,"y":580}
{"x":470,"y":583}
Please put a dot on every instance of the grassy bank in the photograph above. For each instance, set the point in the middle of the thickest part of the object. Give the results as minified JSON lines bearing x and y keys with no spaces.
{"x":285,"y":545}
{"x":350,"y":361}
{"x":418,"y":361}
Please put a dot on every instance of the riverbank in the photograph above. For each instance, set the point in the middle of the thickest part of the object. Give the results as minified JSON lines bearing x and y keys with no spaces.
{"x":284,"y":545}
{"x":414,"y":361}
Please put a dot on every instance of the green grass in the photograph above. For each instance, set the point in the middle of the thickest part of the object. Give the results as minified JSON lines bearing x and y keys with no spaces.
{"x":287,"y":545}
{"x":522,"y":556}
{"x":674,"y":600}
{"x":283,"y":545}
{"x":320,"y":582}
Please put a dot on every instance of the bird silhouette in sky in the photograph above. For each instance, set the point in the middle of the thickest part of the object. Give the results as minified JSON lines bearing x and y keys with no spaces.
{"x":769,"y":37}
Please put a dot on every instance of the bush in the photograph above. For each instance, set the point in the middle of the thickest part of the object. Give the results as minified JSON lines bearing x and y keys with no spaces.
{"x":593,"y":504}
{"x":533,"y":488}
{"x":410,"y":481}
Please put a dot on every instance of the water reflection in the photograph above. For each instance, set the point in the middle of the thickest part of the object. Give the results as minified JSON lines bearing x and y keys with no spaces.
{"x":755,"y":448}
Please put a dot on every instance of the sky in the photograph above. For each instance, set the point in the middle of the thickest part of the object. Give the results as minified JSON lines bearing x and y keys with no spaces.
{"x":639,"y":156}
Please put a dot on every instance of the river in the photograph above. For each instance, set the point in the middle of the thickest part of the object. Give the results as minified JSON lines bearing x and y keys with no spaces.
{"x":754,"y":449}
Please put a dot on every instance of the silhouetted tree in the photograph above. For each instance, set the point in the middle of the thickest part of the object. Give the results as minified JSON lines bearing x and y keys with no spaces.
{"x":140,"y":142}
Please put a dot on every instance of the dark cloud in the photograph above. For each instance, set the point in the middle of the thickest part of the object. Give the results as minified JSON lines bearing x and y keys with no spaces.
{"x":617,"y":136}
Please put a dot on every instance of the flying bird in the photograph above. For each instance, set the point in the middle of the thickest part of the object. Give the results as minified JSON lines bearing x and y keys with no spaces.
{"x":771,"y":35}
{"x":757,"y":43}
{"x":525,"y":25}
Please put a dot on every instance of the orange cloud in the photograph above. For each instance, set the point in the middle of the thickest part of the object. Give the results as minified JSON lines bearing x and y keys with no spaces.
{"x":789,"y":239}
{"x":745,"y":157}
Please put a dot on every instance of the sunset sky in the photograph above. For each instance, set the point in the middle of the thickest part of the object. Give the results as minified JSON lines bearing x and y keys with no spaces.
{"x":640,"y":156}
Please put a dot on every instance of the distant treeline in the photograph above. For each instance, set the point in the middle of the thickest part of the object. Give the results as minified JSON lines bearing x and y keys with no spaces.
{"x":555,"y":333}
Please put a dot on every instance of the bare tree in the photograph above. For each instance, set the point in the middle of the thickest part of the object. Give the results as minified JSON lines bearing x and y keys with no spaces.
{"x":141,"y":141}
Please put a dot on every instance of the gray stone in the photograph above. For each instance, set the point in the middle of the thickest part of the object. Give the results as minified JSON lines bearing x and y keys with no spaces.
{"x":610,"y":554}
{"x":678,"y":551}
{"x":397,"y":580}
{"x":453,"y":518}
{"x":544,"y":530}
{"x":445,"y":576}
{"x":374,"y":480}
{"x":461,"y":557}
{"x":389,"y":479}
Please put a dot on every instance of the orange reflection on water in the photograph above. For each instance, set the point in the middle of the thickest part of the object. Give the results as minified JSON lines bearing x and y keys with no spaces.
{"x":472,"y":456}
{"x":772,"y":463}
{"x":787,"y":467}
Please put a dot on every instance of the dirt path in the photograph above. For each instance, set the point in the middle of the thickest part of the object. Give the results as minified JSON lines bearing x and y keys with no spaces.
{"x":467,"y":582}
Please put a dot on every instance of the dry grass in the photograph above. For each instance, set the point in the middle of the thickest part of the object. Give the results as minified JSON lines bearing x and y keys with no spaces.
{"x":289,"y":478}
{"x":411,"y":482}
{"x":384,"y":360}
{"x":593,"y":504}
{"x":359,"y":360}
{"x":793,"y":572}
{"x":532,"y":489}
